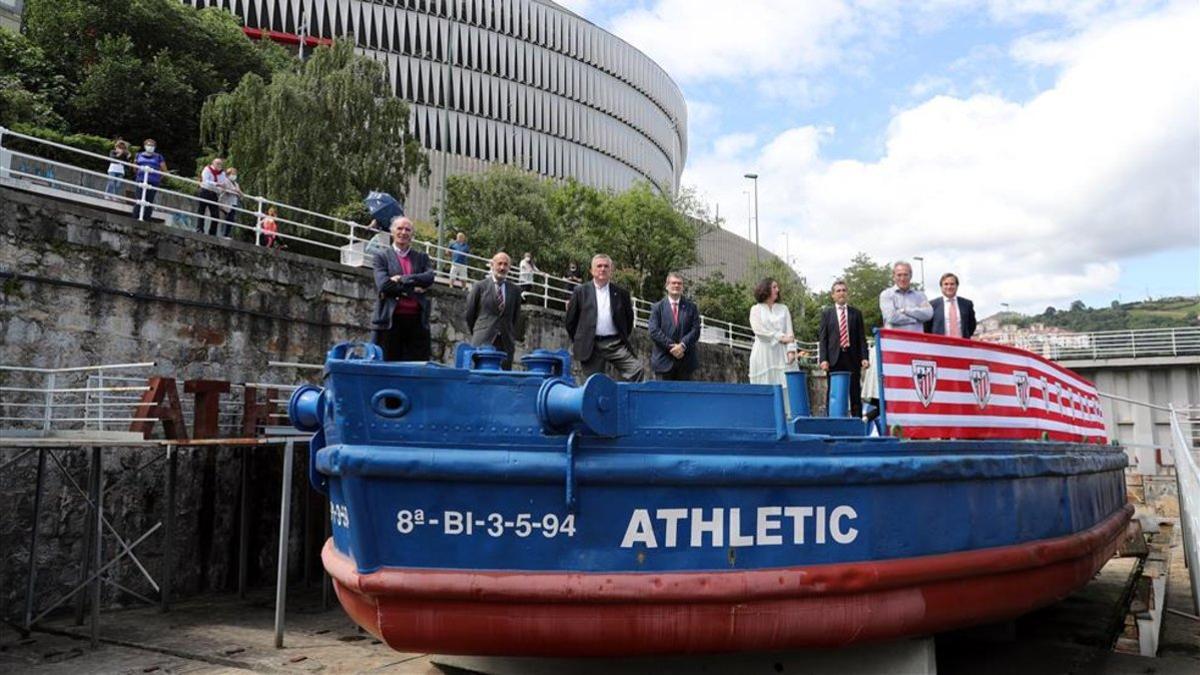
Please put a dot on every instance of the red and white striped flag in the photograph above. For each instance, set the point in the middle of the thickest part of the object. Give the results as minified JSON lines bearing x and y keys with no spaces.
{"x":942,"y":387}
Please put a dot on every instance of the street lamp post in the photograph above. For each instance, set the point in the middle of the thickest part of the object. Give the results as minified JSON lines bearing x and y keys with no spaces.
{"x":922,"y":261}
{"x":754,"y":177}
{"x":445,"y":135}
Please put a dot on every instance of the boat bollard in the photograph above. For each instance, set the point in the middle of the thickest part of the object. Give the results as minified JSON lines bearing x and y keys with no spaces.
{"x":797,"y":387}
{"x":839,"y":394}
{"x":592,"y":407}
{"x":488,"y":357}
{"x":305,"y":408}
{"x":547,"y":362}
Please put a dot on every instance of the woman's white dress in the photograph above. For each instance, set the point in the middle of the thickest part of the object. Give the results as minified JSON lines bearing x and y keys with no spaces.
{"x":768,"y":356}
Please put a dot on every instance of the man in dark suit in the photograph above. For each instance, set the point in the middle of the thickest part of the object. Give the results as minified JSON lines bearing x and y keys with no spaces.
{"x":842,"y":343}
{"x":952,"y":315}
{"x":599,"y":321}
{"x":401,"y":320}
{"x":493,"y":304}
{"x":675,"y":329}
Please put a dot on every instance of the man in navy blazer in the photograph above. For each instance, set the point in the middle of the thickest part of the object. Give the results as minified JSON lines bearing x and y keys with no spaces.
{"x":952,"y":315}
{"x":599,"y":322}
{"x":401,"y":321}
{"x":675,"y":329}
{"x":842,"y":342}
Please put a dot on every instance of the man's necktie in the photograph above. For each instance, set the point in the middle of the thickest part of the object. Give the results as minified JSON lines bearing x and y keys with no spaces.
{"x":953,"y":328}
{"x":843,"y":329}
{"x":675,"y":312}
{"x":499,"y":298}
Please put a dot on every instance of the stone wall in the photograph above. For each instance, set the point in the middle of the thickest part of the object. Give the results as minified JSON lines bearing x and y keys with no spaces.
{"x":81,"y":286}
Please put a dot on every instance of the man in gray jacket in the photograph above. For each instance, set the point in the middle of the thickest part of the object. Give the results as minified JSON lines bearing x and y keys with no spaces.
{"x":401,"y":320}
{"x":493,"y":305}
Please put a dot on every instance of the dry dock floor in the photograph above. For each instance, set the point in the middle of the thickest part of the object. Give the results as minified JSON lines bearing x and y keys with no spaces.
{"x":221,"y":634}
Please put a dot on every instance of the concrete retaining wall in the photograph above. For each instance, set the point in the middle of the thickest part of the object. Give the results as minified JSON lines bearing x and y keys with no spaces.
{"x":82,"y":286}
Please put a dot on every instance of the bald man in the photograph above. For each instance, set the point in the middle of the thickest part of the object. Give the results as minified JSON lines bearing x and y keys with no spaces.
{"x":401,"y":320}
{"x":493,"y":305}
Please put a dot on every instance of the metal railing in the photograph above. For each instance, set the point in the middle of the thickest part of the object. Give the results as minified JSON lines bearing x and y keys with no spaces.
{"x":100,"y":400}
{"x":305,"y":232}
{"x":44,"y":401}
{"x":1184,"y":341}
{"x":1187,"y":481}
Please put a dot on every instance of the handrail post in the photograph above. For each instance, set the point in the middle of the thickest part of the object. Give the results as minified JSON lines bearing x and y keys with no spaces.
{"x":48,"y":414}
{"x":1174,"y":349}
{"x":545,"y":290}
{"x":1185,"y":482}
{"x":258,"y":218}
{"x":3,"y":164}
{"x":142,"y":203}
{"x":100,"y":384}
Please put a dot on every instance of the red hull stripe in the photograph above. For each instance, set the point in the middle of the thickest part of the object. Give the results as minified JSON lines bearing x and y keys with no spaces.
{"x":286,"y":38}
{"x":522,"y":614}
{"x":856,"y":577}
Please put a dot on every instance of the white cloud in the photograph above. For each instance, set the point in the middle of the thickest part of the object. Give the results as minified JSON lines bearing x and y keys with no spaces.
{"x":715,"y":39}
{"x":1030,"y":202}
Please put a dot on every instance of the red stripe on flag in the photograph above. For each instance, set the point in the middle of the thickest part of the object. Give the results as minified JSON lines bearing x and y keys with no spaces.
{"x":976,"y":367}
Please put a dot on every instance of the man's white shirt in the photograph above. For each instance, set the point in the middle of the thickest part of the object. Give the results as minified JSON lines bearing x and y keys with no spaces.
{"x":604,"y":318}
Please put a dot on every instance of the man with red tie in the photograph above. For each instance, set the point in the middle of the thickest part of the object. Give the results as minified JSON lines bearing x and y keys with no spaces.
{"x":842,"y":343}
{"x":952,"y":315}
{"x":675,"y":329}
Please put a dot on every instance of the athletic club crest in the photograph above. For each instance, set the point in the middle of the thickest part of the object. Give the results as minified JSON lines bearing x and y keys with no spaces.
{"x":924,"y":375}
{"x":1021,"y":380}
{"x":981,"y":384}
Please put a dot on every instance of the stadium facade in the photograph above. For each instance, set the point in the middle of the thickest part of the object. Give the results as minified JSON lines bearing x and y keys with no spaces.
{"x":520,"y":82}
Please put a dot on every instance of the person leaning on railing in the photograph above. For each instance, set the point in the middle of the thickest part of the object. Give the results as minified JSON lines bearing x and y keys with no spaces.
{"x":116,"y":168}
{"x":231,"y":199}
{"x":151,"y":167}
{"x":458,"y":260}
{"x":527,"y":270}
{"x":209,"y":195}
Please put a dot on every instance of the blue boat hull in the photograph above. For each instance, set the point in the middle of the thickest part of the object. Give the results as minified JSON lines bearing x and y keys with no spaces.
{"x":513,"y":513}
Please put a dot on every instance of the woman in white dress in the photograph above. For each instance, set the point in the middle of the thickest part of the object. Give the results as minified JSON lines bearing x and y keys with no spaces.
{"x":774,"y":350}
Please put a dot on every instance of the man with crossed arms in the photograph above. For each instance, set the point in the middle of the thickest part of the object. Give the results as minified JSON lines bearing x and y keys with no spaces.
{"x":904,"y":307}
{"x":842,"y":343}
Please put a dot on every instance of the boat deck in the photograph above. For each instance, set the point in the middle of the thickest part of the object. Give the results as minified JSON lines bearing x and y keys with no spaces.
{"x":222,"y":634}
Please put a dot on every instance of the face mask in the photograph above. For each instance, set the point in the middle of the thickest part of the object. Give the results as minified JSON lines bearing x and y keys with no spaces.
{"x":150,"y":148}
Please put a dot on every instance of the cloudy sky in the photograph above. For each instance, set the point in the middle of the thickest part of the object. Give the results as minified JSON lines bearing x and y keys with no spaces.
{"x":1045,"y":150}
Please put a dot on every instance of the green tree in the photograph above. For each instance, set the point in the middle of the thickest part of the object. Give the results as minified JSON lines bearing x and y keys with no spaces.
{"x":865,"y":280}
{"x":503,"y":209}
{"x":319,"y":136}
{"x":142,"y":68}
{"x":721,"y":299}
{"x":117,"y":74}
{"x":29,"y":87}
{"x":646,"y":238}
{"x":575,"y":209}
